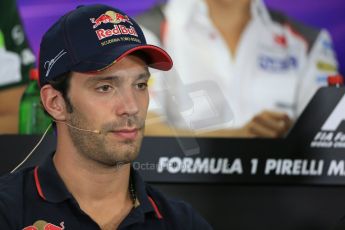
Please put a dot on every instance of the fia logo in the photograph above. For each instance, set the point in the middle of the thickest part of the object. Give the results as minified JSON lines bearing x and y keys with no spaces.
{"x":328,"y":136}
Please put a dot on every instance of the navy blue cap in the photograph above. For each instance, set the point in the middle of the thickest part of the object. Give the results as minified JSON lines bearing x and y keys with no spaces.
{"x":91,"y":38}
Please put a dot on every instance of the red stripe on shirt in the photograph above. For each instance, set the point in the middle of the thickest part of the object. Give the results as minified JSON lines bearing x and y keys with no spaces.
{"x":159,"y":215}
{"x":38,"y":185}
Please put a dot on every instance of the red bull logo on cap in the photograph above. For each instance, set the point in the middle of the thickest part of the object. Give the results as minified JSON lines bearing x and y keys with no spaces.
{"x":43,"y":225}
{"x":114,"y":18}
{"x":117,"y":30}
{"x":110,"y":17}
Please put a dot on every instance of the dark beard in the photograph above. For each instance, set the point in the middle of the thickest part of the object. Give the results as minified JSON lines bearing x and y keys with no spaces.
{"x":97,"y":148}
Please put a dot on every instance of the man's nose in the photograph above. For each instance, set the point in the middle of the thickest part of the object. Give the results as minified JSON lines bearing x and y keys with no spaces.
{"x":127,"y":104}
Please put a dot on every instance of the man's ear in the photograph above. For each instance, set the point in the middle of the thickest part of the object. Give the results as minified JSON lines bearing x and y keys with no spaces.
{"x":53,"y":102}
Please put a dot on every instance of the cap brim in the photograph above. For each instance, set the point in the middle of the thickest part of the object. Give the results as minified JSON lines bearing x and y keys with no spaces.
{"x":155,"y":57}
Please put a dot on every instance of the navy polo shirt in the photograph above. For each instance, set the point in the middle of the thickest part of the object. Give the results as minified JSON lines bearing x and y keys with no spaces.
{"x":36,"y":198}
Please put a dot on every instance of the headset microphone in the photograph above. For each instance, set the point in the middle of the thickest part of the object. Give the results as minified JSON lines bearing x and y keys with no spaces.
{"x":39,"y":142}
{"x":74,"y":127}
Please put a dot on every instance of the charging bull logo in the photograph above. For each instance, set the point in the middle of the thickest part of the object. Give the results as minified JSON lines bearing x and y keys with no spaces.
{"x":43,"y":225}
{"x":109,"y":17}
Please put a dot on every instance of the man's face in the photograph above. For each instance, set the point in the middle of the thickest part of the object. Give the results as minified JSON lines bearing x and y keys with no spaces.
{"x":113,"y":101}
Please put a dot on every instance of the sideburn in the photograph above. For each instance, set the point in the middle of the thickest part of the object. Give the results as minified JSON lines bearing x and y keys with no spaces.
{"x":69,"y":106}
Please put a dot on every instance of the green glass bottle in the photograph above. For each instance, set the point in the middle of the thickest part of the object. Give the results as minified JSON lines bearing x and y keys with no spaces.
{"x":32,"y":119}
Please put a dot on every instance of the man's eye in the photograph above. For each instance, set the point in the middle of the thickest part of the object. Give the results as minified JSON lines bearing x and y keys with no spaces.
{"x":104,"y":88}
{"x":142,"y":85}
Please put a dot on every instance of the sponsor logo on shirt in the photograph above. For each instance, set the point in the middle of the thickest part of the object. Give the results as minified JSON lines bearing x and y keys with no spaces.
{"x":327,"y":49}
{"x":43,"y":225}
{"x":326,"y":44}
{"x":324,"y":66}
{"x":277,"y":64}
{"x":280,"y":40}
{"x":322,"y":79}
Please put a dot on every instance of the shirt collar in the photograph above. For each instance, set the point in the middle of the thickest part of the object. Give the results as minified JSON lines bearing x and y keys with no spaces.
{"x":51,"y":188}
{"x":48,"y":183}
{"x":260,"y":12}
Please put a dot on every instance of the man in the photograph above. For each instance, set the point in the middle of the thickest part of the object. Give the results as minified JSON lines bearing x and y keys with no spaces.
{"x":244,"y":69}
{"x":93,"y":76}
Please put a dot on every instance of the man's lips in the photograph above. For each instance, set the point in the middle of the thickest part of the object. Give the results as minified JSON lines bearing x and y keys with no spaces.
{"x":126,"y":133}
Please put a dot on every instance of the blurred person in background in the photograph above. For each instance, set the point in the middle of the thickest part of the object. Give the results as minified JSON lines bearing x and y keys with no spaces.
{"x":16,"y":59}
{"x":244,"y":70}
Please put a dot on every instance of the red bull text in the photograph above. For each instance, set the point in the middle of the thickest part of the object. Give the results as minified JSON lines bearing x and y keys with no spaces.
{"x":118,"y":30}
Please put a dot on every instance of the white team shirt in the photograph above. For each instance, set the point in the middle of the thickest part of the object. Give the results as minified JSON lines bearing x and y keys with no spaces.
{"x":212,"y":89}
